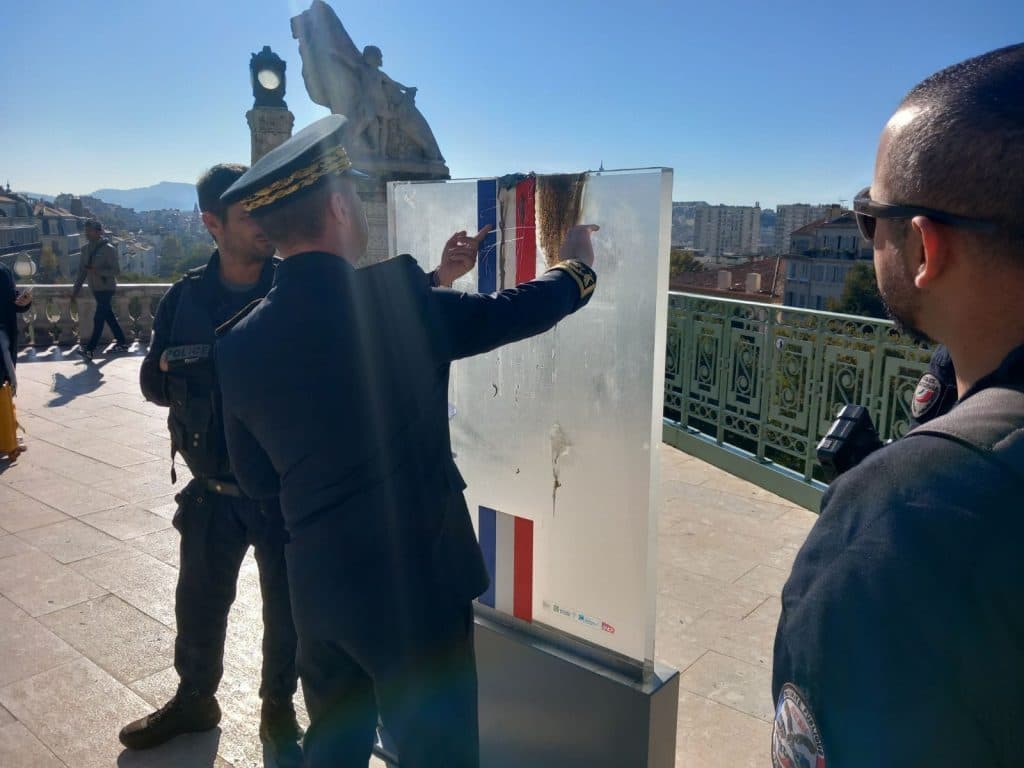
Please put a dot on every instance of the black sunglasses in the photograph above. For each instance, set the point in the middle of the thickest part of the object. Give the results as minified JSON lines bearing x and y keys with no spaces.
{"x":868,"y":212}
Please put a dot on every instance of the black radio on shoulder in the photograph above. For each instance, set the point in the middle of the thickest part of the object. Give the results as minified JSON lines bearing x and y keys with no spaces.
{"x":851,"y":439}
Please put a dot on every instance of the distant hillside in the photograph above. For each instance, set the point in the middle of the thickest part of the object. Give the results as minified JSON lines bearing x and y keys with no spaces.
{"x":166,"y":194}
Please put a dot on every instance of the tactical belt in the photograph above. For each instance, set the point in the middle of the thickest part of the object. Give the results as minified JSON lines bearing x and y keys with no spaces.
{"x":223,"y":487}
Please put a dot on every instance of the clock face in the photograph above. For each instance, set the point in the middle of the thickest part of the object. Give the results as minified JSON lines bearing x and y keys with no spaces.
{"x":269,"y":79}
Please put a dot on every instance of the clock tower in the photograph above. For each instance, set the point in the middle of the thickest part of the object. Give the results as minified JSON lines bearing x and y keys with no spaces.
{"x":270,"y":121}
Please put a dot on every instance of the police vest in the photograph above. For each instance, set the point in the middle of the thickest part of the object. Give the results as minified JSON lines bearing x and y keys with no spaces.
{"x":194,"y":418}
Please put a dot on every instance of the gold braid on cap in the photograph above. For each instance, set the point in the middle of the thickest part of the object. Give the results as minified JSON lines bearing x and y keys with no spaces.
{"x":335,"y":161}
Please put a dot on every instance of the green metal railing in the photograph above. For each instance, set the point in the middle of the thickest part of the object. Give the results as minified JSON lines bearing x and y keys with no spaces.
{"x":752,"y":387}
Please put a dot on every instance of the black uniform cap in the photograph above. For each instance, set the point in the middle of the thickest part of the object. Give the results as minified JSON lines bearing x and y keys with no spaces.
{"x":301,"y":163}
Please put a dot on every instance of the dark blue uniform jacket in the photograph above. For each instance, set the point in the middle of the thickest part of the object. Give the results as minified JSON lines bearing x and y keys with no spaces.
{"x":336,"y":388}
{"x":902,"y":622}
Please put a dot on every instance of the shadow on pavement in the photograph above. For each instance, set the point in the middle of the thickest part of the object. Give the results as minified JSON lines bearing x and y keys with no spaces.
{"x":195,"y":750}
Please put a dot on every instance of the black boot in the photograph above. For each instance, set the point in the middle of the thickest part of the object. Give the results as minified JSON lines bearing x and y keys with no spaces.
{"x":280,"y":732}
{"x":185,"y":713}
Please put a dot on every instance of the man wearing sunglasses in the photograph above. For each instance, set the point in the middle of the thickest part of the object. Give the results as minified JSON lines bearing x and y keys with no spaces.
{"x":902,"y":628}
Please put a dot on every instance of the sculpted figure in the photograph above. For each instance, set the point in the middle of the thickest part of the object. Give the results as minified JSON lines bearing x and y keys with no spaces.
{"x":384,"y":121}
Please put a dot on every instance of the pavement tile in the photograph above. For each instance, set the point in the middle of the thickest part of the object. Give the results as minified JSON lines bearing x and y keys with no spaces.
{"x":126,"y":522}
{"x":12,"y":545}
{"x":76,"y":710}
{"x":120,"y":638}
{"x":764,"y":578}
{"x":39,"y":584}
{"x":69,"y":496}
{"x":164,"y":506}
{"x":734,"y":683}
{"x":137,"y":578}
{"x":712,"y":735}
{"x":707,"y":552}
{"x":750,"y":639}
{"x":19,"y":512}
{"x":673,"y":644}
{"x":163,"y":545}
{"x":69,"y":540}
{"x":708,"y":593}
{"x":20,"y":749}
{"x":27,"y":647}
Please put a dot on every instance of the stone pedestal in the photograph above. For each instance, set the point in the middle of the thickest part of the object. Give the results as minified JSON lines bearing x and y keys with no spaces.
{"x":269,"y":127}
{"x":374,"y":194}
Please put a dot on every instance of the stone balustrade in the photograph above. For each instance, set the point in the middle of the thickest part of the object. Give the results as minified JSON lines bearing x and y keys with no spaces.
{"x":55,"y":319}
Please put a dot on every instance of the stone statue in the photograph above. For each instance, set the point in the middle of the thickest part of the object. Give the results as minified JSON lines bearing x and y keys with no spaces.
{"x":384,"y":123}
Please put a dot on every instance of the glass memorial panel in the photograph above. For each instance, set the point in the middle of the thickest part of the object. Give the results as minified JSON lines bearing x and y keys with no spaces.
{"x":557,"y":435}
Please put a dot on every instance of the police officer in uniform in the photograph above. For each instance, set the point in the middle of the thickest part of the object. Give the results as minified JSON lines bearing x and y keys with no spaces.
{"x":216,"y":520}
{"x":902,"y":628}
{"x":351,"y":427}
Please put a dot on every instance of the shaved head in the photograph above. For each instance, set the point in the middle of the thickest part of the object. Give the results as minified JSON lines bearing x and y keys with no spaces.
{"x":956,"y":143}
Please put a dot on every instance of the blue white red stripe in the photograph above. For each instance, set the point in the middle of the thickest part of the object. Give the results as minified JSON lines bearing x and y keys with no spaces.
{"x":507,"y":544}
{"x":487,"y":213}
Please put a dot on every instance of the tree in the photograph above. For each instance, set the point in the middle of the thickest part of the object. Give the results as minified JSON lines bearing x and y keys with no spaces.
{"x":171,"y":253}
{"x":198,"y":254}
{"x":860,"y":293}
{"x":683,"y":260}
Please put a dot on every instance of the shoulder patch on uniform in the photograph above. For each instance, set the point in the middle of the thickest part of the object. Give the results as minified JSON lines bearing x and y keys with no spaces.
{"x":796,"y":741}
{"x":926,"y":395}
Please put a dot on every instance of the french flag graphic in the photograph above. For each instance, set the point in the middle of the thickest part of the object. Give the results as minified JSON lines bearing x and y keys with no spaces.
{"x":507,"y":545}
{"x":508,"y":255}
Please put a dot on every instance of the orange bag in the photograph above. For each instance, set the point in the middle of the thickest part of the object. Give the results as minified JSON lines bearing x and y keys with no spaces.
{"x":8,"y":424}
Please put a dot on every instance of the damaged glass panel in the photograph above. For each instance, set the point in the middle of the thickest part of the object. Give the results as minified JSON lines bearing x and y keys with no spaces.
{"x":557,"y":435}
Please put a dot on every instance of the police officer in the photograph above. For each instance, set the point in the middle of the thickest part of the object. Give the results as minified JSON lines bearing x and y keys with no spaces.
{"x":902,"y":628}
{"x":216,"y":520}
{"x":353,"y":424}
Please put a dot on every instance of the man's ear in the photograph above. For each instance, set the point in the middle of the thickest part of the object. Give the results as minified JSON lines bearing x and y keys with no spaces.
{"x":338,"y":205}
{"x":934,"y":253}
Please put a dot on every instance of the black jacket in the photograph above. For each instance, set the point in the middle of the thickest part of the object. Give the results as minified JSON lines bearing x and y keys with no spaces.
{"x":9,"y":316}
{"x":190,"y":313}
{"x":902,"y":626}
{"x":336,"y":387}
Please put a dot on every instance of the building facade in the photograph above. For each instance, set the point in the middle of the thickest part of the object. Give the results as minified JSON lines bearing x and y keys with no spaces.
{"x":822,"y":254}
{"x":790,"y":218}
{"x":59,"y":231}
{"x":727,"y":229}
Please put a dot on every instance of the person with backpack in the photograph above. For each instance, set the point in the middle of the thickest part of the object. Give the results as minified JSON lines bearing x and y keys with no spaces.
{"x":900,"y":637}
{"x":99,"y":267}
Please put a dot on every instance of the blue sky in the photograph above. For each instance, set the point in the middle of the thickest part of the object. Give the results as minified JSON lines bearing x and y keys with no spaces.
{"x":771,"y":102}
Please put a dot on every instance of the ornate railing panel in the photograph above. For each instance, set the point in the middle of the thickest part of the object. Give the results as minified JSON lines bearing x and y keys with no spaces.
{"x":54,"y":318}
{"x":764,"y":382}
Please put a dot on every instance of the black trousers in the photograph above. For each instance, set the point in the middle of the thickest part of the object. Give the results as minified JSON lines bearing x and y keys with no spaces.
{"x":104,"y":315}
{"x":379,"y":634}
{"x":215,"y":532}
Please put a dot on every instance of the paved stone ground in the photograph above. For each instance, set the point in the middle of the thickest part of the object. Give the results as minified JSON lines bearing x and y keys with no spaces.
{"x":88,"y":563}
